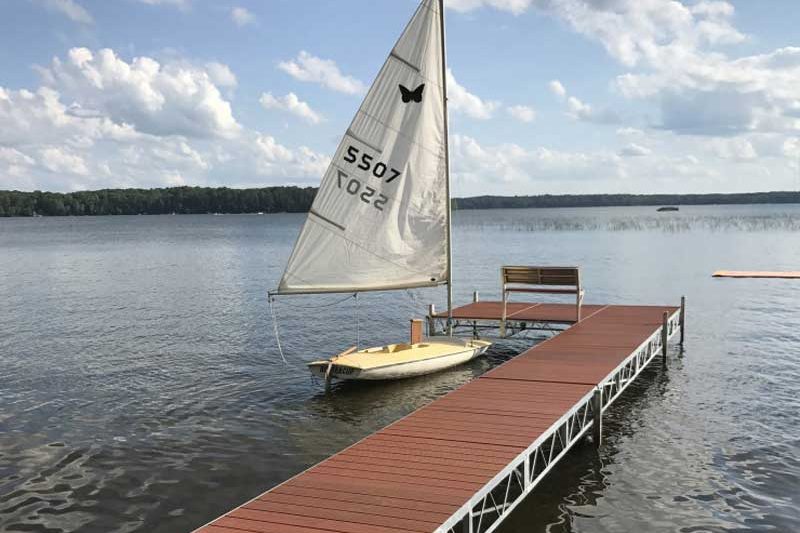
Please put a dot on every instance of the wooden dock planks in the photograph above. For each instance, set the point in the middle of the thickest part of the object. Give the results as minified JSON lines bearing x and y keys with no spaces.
{"x":417,"y":472}
{"x":756,"y":274}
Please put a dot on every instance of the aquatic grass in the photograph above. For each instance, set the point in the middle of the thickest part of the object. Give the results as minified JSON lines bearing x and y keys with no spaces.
{"x":645,"y":223}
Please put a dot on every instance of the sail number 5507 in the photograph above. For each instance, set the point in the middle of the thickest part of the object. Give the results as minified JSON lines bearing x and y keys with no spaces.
{"x":367,"y":193}
{"x":365,"y":162}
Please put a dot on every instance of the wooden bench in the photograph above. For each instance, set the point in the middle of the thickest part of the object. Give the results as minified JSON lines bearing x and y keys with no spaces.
{"x":542,"y":280}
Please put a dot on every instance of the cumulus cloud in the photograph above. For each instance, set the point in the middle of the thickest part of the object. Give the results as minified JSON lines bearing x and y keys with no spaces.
{"x":714,"y":95}
{"x":635,"y":150}
{"x":510,"y":168}
{"x":636,"y":31}
{"x":517,"y":7}
{"x":291,"y":104}
{"x":101,"y":121}
{"x":678,"y":49}
{"x":580,"y":110}
{"x":683,"y":67}
{"x":309,"y":68}
{"x":221,"y":74}
{"x":739,"y":149}
{"x":523,"y":113}
{"x":62,"y":161}
{"x":157,"y":99}
{"x":557,"y":89}
{"x":181,"y":4}
{"x":521,"y":169}
{"x":274,"y":159}
{"x":70,"y":8}
{"x":628,"y":131}
{"x":242,"y":17}
{"x":16,"y":166}
{"x":41,"y":117}
{"x":460,"y":100}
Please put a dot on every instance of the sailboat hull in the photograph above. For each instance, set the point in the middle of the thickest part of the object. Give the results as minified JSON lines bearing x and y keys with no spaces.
{"x":400,"y":361}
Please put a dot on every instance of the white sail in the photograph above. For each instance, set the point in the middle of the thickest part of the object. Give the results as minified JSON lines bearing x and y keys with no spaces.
{"x":380,"y":218}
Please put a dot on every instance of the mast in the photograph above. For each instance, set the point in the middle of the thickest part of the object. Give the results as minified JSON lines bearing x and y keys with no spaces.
{"x":447,"y":170}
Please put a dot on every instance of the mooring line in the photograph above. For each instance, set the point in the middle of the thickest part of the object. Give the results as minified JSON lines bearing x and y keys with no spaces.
{"x":270,"y":299}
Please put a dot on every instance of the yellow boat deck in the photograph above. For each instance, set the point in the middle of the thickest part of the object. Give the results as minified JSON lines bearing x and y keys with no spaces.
{"x":395,"y":354}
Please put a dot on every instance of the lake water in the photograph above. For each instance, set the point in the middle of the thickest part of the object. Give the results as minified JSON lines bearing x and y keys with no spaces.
{"x":141,"y":388}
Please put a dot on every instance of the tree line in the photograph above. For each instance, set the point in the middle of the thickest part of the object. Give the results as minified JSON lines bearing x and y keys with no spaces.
{"x":202,"y":200}
{"x":610,"y":200}
{"x":178,"y":200}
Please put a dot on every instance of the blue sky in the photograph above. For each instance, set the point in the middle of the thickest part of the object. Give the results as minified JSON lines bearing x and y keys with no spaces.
{"x":547,"y":96}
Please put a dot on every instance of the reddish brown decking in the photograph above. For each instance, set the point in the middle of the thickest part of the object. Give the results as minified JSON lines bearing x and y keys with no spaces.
{"x":416,"y":474}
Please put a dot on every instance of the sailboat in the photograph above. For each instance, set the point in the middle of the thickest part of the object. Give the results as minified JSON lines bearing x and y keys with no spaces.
{"x":381,"y":220}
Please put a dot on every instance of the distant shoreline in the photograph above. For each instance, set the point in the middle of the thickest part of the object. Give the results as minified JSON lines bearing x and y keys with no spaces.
{"x":222,"y":200}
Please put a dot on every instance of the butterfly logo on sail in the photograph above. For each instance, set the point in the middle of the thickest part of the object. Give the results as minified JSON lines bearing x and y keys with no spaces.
{"x":411,"y":96}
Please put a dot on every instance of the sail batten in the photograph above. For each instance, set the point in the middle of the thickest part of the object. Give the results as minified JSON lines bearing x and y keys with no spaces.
{"x":380,"y":218}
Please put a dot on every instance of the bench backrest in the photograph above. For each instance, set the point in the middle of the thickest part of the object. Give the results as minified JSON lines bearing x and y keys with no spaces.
{"x":524,"y":275}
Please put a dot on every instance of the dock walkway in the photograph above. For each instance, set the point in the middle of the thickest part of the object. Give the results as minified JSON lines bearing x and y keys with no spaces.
{"x":464,"y":461}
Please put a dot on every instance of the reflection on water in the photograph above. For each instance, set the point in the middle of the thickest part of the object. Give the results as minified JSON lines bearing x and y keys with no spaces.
{"x":141,"y":390}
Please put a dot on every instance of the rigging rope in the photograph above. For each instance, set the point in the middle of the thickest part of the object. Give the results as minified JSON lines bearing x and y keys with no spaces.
{"x":413,"y":304}
{"x":275,"y":328}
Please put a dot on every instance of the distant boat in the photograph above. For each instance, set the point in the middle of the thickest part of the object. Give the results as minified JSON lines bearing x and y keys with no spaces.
{"x":382,"y":218}
{"x":668,"y":208}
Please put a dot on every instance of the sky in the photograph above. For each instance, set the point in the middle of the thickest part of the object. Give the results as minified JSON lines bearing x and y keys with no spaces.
{"x":546,"y":96}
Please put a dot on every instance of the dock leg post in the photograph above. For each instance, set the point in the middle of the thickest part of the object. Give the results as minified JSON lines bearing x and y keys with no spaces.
{"x":476,"y":297}
{"x":597,"y":417}
{"x":664,"y":337}
{"x":683,"y":318}
{"x":431,"y":320}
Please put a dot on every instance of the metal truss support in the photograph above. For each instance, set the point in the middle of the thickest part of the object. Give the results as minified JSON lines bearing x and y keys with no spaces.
{"x":597,"y":417}
{"x":491,"y":328}
{"x":489,"y":506}
{"x":664,"y":337}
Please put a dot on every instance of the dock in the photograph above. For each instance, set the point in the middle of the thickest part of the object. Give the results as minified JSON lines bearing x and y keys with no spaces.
{"x":463,"y":462}
{"x":756,"y":274}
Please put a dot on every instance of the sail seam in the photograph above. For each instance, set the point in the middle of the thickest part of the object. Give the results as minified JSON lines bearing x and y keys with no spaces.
{"x":343,"y":237}
{"x":362,"y":141}
{"x":400,"y":134}
{"x":405,"y":62}
{"x":329,"y":221}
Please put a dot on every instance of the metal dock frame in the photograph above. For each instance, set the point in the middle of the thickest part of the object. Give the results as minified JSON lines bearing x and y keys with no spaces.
{"x":484,"y":512}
